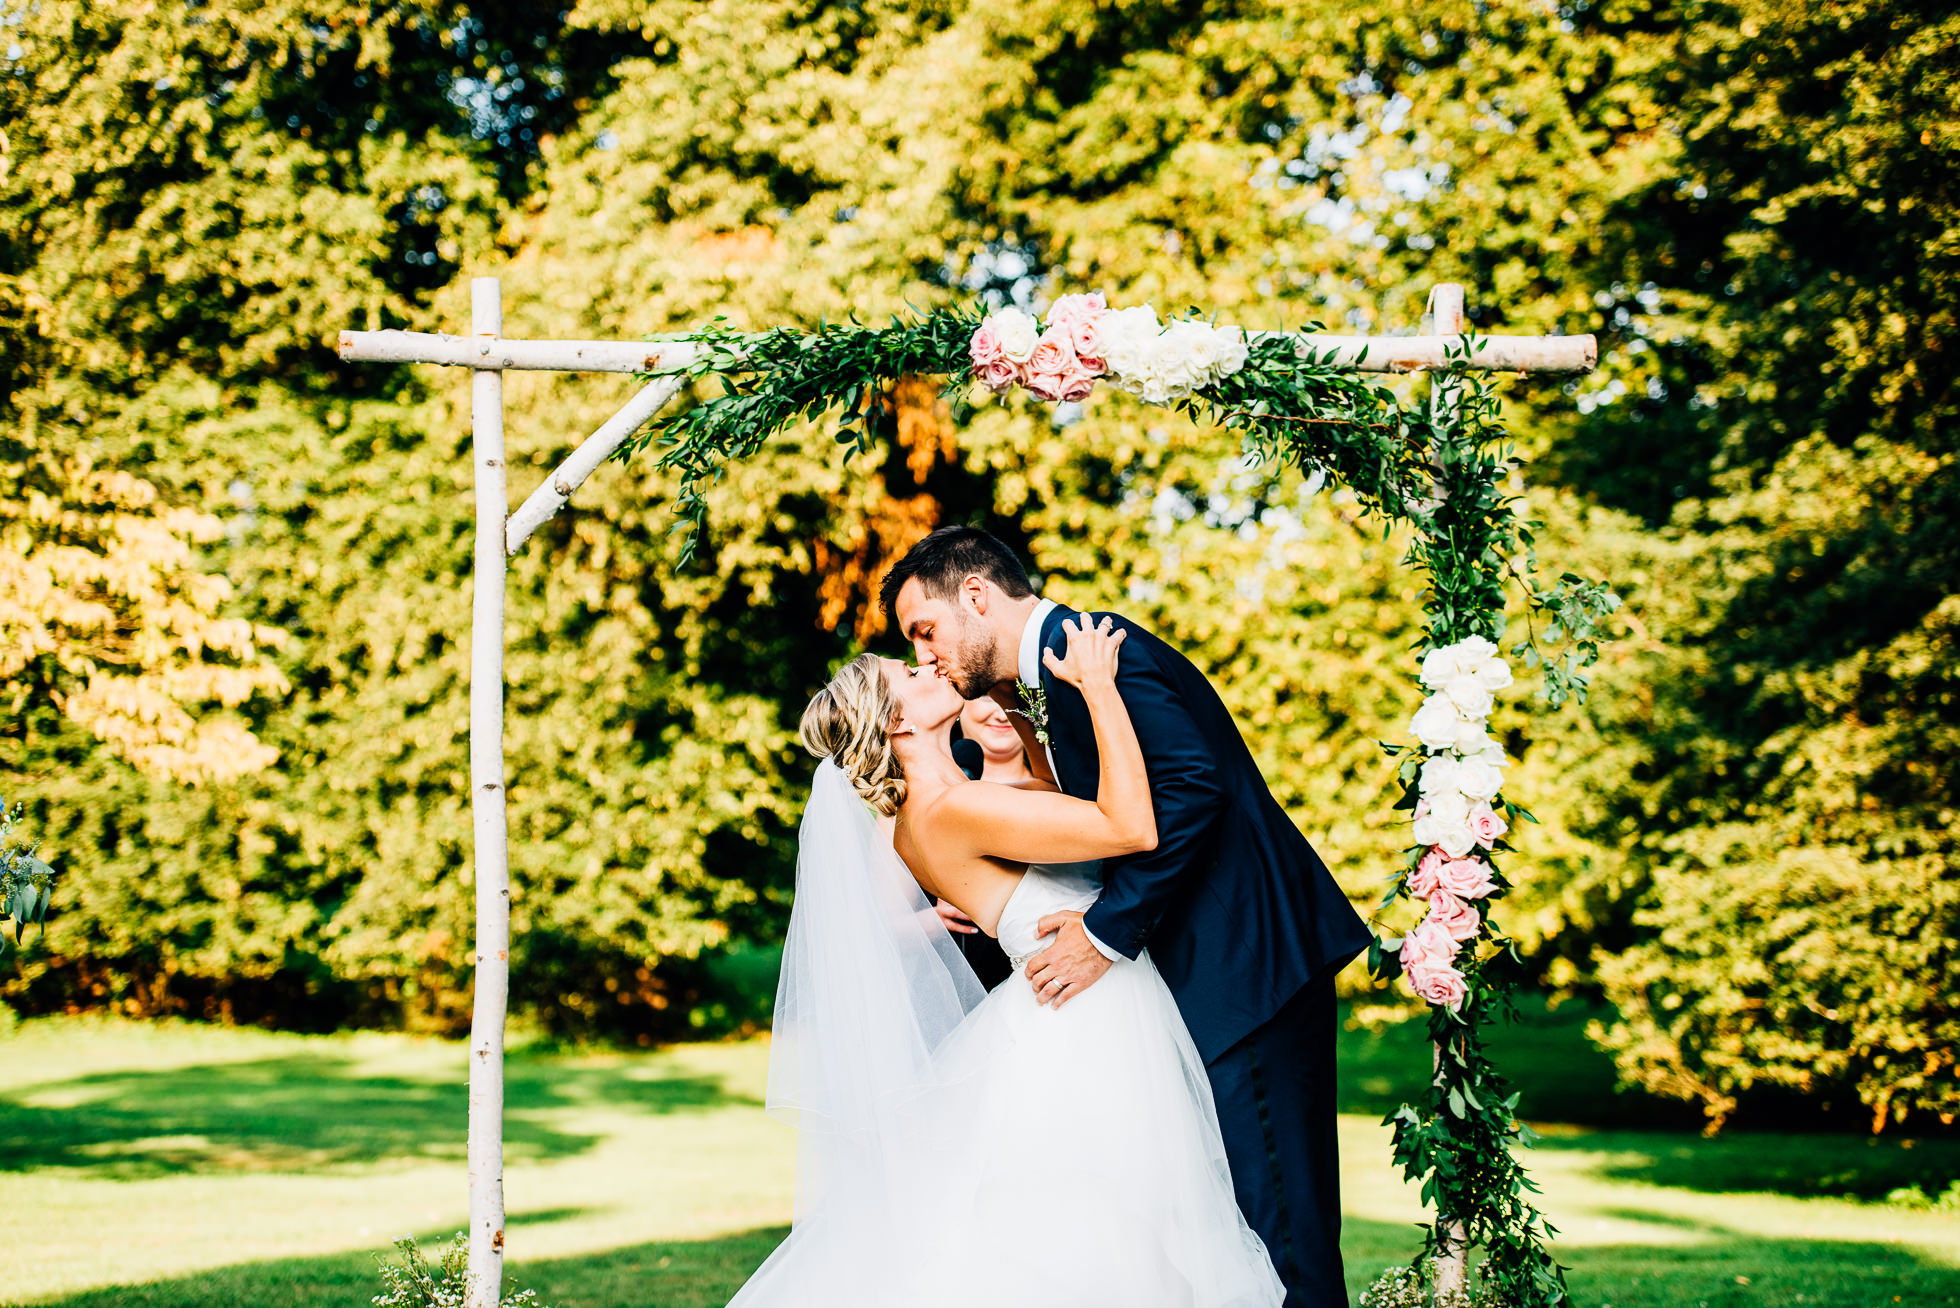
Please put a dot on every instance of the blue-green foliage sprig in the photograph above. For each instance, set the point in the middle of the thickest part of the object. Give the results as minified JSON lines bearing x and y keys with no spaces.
{"x":26,"y":882}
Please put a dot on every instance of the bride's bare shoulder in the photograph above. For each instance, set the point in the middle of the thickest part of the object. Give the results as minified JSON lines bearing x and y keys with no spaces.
{"x":978,"y":805}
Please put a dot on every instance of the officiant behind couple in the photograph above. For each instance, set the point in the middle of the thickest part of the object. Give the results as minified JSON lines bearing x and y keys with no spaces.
{"x":1145,"y":1115}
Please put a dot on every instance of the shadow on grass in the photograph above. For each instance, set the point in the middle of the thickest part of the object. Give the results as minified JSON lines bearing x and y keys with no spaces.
{"x":312,"y":1111}
{"x":1801,"y":1165}
{"x":1559,"y":1074}
{"x":1724,"y":1271}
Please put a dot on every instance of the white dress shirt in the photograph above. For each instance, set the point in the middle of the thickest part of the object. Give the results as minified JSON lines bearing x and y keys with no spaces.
{"x":1028,"y":666}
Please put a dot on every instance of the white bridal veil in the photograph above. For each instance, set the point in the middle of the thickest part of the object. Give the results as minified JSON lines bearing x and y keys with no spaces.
{"x":872,"y":983}
{"x":872,"y":988}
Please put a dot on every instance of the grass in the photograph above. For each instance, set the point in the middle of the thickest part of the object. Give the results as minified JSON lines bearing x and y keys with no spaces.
{"x":176,"y":1166}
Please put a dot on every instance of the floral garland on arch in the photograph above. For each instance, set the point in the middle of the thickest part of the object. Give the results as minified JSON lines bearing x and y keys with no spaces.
{"x":1086,"y":339}
{"x":1438,"y":463}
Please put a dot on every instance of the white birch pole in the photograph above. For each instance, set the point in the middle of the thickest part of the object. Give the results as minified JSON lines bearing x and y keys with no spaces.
{"x":1543,"y":354}
{"x":1446,"y":311}
{"x":488,"y":809}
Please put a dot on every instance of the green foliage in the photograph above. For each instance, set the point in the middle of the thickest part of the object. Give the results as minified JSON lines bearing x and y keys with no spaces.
{"x":1758,"y":202}
{"x":26,"y":883}
{"x":1748,"y":829}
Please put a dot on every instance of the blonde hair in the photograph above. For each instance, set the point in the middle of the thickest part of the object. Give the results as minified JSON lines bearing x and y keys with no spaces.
{"x":850,"y":722}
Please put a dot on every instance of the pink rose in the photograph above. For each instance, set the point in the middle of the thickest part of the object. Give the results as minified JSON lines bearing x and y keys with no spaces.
{"x":1085,"y":334}
{"x":1422,"y":881}
{"x":1072,"y":309}
{"x":999,"y":375}
{"x":1439,"y":985}
{"x":1093,"y":364}
{"x":1466,"y":878}
{"x":1427,"y":946}
{"x":1453,"y":916}
{"x":1052,"y":353}
{"x":1486,"y":826}
{"x":985,"y":347}
{"x":1077,"y":384}
{"x":1045,"y":385}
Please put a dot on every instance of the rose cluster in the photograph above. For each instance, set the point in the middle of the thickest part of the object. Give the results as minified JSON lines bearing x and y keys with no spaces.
{"x":1083,"y":339}
{"x":1455,"y":810}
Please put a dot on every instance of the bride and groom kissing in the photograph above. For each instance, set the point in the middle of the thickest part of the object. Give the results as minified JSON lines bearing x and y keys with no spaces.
{"x":1150,"y":1118}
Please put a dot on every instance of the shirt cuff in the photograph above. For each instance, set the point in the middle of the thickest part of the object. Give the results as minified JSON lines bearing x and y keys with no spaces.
{"x":1103,"y":949}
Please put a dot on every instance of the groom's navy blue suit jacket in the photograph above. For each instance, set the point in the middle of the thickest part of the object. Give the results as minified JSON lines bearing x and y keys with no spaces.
{"x":1237,"y":910}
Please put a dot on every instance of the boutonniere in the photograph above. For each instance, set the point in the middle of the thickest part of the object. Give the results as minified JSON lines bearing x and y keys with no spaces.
{"x":1034,"y":707}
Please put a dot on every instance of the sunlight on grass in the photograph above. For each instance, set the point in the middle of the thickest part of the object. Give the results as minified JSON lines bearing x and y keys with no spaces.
{"x":218,"y":1167}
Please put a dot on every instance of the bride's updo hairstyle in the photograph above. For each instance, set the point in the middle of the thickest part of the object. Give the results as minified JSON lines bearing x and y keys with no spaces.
{"x":850,"y":723}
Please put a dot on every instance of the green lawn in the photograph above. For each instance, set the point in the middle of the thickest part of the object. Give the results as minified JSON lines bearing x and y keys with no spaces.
{"x":171,"y":1166}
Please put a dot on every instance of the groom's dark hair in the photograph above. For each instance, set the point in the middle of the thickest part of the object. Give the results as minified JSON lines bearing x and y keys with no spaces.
{"x":949,"y":556}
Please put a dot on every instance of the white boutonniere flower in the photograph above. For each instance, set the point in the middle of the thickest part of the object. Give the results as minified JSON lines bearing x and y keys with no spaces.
{"x":1034,"y":707}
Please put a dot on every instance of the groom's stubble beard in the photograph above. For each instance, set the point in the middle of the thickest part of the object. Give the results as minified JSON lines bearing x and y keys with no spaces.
{"x":973,"y":672}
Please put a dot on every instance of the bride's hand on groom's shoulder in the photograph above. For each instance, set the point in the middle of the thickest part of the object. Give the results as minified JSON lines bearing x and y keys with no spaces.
{"x":1092,"y":654}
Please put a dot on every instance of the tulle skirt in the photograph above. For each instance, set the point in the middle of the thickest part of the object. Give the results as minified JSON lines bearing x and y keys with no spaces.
{"x":1070,"y":1158}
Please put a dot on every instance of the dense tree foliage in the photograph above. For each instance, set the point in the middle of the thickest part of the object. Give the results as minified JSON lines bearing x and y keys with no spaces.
{"x":1748,"y":841}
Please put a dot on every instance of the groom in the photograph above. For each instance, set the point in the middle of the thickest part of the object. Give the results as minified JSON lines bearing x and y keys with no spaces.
{"x":1241,"y":917}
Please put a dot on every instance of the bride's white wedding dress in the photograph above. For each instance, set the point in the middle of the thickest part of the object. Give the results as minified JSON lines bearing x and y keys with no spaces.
{"x":1020,"y":1156}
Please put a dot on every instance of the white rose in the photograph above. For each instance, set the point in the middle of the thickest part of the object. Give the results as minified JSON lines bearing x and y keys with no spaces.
{"x":1494,"y":673}
{"x":1449,"y":807}
{"x":1473,"y":650}
{"x":1197,"y":348}
{"x":1233,"y":350}
{"x":1017,"y":332}
{"x":1441,"y":666}
{"x":1128,"y":338}
{"x":1439,"y":776}
{"x":1471,"y":697}
{"x":1457,"y":841}
{"x":1435,"y":724}
{"x":1472,"y":741}
{"x":1163,"y":357}
{"x":1430,"y":830}
{"x":1138,"y":320}
{"x":1478,"y":779}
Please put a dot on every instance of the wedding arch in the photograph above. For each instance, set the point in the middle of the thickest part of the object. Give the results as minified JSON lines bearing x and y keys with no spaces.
{"x":1438,"y":462}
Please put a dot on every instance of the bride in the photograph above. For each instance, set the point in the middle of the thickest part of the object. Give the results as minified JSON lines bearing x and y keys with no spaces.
{"x":959,"y":1148}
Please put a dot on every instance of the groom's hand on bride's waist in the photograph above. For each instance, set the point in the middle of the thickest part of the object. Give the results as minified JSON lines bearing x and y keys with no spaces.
{"x":1068,"y":966}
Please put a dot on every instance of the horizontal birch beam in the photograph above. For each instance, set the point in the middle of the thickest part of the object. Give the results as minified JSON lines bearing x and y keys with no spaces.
{"x":1554,"y":354}
{"x":497,"y":352}
{"x":1421,"y":353}
{"x":545,"y":502}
